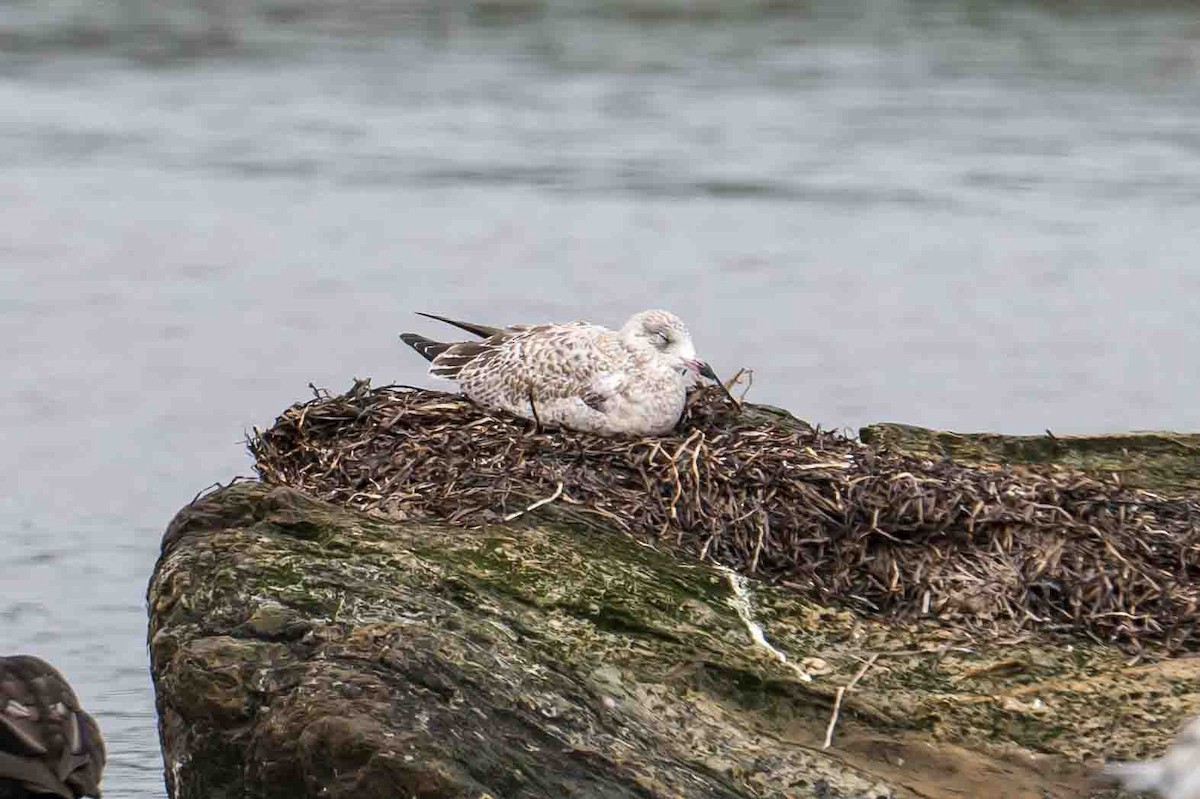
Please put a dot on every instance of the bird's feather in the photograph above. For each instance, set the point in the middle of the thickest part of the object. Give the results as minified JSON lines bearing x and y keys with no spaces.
{"x":483,"y":331}
{"x":428,"y":348}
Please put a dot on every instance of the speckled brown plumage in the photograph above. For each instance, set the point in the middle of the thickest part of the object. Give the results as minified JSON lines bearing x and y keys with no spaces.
{"x":631,"y":381}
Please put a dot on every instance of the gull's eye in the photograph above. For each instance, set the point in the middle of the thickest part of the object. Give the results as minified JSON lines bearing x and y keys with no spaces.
{"x":660,"y":340}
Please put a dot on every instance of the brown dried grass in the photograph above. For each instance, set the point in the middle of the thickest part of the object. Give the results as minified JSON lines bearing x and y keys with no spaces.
{"x":883,"y":533}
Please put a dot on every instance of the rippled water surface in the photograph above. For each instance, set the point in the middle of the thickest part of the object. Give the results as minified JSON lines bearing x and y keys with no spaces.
{"x":971,"y":215}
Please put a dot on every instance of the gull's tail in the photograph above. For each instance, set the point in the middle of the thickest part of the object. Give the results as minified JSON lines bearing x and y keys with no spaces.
{"x":428,"y":348}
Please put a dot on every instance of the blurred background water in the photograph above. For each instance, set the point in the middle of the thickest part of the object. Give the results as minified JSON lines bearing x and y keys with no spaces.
{"x":971,"y":214}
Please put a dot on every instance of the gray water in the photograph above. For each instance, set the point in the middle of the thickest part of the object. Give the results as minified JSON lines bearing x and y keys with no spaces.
{"x":970,"y":215}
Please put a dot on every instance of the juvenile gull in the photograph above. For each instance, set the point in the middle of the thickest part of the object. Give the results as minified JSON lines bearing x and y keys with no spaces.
{"x":631,"y":381}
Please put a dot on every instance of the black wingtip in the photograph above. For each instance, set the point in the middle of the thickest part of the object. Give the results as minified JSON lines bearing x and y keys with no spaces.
{"x":427,"y":348}
{"x":483,"y":331}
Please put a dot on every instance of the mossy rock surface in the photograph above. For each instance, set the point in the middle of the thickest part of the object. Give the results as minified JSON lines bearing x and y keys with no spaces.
{"x":1161,"y":461}
{"x":300,"y":649}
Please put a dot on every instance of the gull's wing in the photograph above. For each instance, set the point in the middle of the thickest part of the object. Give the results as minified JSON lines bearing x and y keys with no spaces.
{"x":449,"y":358}
{"x":554,"y":361}
{"x":603,"y":386}
{"x":483,"y":331}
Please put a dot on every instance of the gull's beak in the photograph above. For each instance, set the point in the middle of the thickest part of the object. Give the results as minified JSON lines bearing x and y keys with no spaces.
{"x":704,"y":370}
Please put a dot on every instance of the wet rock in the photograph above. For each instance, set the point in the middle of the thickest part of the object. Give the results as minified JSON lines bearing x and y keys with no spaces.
{"x":300,"y":649}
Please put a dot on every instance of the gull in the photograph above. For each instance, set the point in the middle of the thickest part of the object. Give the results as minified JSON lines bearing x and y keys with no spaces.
{"x":631,"y":381}
{"x":1176,"y":775}
{"x":48,"y":745}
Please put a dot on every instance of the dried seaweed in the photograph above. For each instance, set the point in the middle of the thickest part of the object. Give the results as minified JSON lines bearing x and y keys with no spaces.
{"x":881,"y":532}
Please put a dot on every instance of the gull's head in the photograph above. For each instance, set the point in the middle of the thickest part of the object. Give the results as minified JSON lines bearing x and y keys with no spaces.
{"x":662,"y":334}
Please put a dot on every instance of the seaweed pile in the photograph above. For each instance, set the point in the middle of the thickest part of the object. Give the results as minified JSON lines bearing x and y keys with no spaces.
{"x":886,"y":534}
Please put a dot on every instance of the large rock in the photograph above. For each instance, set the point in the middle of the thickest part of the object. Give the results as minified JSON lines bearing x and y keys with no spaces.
{"x":300,"y":649}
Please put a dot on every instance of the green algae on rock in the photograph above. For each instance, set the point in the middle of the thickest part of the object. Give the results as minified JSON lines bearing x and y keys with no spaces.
{"x":302,"y":650}
{"x":1161,"y":461}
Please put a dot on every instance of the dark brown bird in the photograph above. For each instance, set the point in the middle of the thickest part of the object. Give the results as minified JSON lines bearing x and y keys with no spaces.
{"x":48,"y":745}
